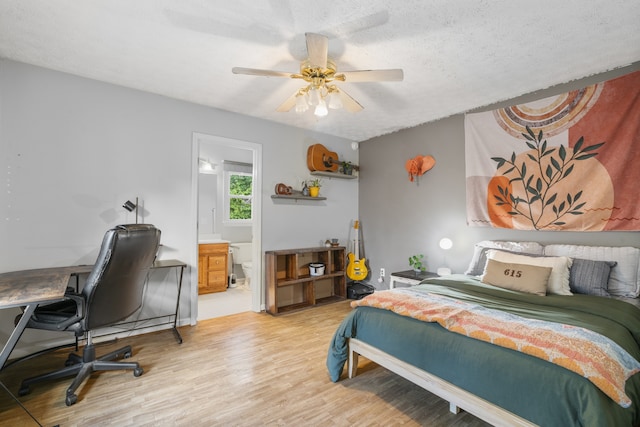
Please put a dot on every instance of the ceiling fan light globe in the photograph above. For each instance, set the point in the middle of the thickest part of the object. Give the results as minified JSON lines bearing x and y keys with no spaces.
{"x":301,"y":104}
{"x":321,"y":109}
{"x":314,"y":96}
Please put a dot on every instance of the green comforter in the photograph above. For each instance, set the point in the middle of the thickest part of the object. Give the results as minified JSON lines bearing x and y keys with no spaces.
{"x":534,"y":389}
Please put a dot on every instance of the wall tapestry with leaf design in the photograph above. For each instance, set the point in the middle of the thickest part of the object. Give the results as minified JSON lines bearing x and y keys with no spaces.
{"x":569,"y":162}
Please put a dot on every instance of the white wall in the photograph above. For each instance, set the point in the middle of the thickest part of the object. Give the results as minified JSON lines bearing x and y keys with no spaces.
{"x":72,"y":150}
{"x":212,"y":188}
{"x":401,"y":218}
{"x":208,"y":202}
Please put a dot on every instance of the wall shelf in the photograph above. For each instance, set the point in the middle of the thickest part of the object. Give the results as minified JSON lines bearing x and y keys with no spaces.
{"x":296,"y":197}
{"x":334,"y":175}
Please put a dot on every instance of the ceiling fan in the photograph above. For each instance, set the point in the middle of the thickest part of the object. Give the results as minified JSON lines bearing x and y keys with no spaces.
{"x":320,"y":73}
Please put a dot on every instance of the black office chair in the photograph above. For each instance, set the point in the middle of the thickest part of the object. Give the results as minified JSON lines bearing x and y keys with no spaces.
{"x":113,"y":291}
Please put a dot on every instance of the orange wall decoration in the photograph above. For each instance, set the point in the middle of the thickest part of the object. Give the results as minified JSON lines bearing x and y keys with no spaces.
{"x":568,"y":162}
{"x":418,"y":165}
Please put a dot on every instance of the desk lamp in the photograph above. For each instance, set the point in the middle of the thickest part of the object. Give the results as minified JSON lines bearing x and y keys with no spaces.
{"x":130,"y":206}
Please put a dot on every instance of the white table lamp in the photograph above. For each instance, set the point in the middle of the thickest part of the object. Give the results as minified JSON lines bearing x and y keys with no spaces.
{"x":445,"y":245}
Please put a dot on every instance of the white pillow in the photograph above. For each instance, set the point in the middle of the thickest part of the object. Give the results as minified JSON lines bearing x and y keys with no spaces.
{"x":478,"y":261}
{"x":560,"y":267}
{"x":625,"y":276}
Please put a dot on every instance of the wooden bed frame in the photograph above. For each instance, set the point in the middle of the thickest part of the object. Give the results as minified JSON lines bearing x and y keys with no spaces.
{"x":457,"y":397}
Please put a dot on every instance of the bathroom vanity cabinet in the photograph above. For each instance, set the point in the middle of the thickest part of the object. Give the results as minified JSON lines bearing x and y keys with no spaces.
{"x":212,"y":267}
{"x":290,"y":285}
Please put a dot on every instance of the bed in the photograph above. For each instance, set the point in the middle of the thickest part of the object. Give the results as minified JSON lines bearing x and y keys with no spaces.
{"x":591,"y":295}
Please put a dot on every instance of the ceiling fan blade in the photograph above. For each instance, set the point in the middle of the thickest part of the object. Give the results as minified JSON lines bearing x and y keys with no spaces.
{"x":371,"y":76}
{"x":288,"y":104}
{"x":318,"y":49}
{"x":348,"y":103}
{"x":258,"y":72}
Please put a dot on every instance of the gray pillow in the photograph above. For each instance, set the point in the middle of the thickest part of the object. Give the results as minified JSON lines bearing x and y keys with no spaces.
{"x":590,"y":277}
{"x":477,"y":269}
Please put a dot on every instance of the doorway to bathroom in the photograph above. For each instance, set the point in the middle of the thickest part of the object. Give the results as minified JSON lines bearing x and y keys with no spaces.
{"x":227,"y":187}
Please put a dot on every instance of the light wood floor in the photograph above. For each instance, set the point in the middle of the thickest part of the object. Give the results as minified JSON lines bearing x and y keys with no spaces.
{"x":247,"y":369}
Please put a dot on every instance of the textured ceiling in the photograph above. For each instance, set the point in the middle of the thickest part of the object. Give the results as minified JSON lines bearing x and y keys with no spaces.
{"x":457,"y":55}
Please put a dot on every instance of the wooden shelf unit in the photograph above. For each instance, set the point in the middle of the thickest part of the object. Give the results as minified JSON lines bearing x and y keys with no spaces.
{"x":291,"y":287}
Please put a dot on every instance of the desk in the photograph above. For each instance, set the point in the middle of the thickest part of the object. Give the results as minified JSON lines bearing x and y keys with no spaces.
{"x":30,"y":288}
{"x":158,"y":264}
{"x":410,"y":277}
{"x":171,"y":263}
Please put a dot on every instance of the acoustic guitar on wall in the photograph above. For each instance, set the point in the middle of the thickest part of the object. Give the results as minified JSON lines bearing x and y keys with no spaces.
{"x":356,"y":269}
{"x":321,"y":159}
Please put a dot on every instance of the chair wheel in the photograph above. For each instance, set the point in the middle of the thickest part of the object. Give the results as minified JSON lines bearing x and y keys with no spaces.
{"x":24,"y":390}
{"x":137,"y":372}
{"x":71,"y":399}
{"x":127,"y":355}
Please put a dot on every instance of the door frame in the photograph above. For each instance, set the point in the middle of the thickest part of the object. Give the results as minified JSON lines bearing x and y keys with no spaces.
{"x":257,"y":284}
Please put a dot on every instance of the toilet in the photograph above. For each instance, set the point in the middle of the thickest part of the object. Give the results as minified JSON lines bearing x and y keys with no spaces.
{"x":242,"y":252}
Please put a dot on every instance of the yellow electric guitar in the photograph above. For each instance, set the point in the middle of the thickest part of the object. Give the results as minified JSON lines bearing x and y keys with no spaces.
{"x":356,"y":269}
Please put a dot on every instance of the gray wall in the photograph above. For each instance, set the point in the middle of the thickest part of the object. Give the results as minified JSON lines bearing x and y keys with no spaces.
{"x":400,"y":218}
{"x":72,"y":150}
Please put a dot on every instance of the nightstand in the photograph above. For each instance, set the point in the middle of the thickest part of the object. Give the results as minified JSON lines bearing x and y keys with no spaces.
{"x":409,"y":277}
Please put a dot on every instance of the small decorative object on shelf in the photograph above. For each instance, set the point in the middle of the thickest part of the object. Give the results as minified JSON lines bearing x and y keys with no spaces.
{"x":283,"y":189}
{"x":285,"y":192}
{"x":331,"y":243}
{"x":316,"y":269}
{"x":347,"y":168}
{"x":314,"y":187}
{"x":417,"y":263}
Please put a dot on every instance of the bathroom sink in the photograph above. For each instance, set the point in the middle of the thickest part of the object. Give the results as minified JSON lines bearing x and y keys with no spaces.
{"x":211,"y":238}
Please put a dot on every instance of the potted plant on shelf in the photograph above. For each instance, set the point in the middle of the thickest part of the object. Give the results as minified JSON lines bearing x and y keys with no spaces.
{"x":347,"y":168}
{"x":417,"y":263}
{"x":314,"y":187}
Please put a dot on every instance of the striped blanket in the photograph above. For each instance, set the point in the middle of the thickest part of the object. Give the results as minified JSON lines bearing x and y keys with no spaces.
{"x":587,"y":353}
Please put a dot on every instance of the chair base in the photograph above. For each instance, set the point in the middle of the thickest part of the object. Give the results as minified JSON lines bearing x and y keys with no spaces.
{"x":82,"y":368}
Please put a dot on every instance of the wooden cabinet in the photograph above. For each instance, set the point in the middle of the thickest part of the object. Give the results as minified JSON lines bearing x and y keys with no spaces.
{"x":290,"y":286}
{"x":212,"y":267}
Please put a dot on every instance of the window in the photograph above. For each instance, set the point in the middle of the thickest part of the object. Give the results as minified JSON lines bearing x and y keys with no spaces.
{"x":238,"y":197}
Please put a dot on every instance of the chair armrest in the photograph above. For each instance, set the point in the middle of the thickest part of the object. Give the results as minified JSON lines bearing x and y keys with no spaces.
{"x":80,"y":309}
